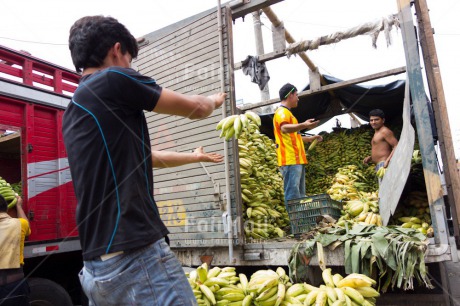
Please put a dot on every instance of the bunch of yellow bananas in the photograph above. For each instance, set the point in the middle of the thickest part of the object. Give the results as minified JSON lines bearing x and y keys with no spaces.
{"x":354,"y":289}
{"x":221,"y":286}
{"x":8,"y":193}
{"x":364,"y":211}
{"x":234,"y":125}
{"x":349,"y":183}
{"x":261,"y":186}
{"x":359,"y":206}
{"x":268,"y":287}
{"x":206,"y":282}
{"x":414,"y":213}
{"x":381,"y":172}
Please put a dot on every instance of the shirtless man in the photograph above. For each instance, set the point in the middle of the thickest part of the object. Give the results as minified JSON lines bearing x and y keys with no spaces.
{"x":383,"y":143}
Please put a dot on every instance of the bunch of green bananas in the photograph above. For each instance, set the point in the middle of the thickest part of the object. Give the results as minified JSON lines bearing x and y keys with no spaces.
{"x":338,"y":148}
{"x":416,"y":157}
{"x":416,"y":170}
{"x":17,"y":187}
{"x":414,"y":212}
{"x":234,"y":125}
{"x":261,"y":186}
{"x":8,"y":193}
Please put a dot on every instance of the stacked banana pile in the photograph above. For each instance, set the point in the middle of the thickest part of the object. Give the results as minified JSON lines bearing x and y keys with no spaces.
{"x":338,"y":148}
{"x":414,"y":213}
{"x":354,"y":187}
{"x":350,"y":183}
{"x":222,"y":286}
{"x":261,"y":181}
{"x":234,"y":125}
{"x":261,"y":186}
{"x":8,"y":193}
{"x":206,"y":283}
{"x":354,"y":289}
{"x":363,"y":211}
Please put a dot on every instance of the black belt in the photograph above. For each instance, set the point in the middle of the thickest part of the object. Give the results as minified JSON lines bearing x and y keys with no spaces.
{"x":8,"y":276}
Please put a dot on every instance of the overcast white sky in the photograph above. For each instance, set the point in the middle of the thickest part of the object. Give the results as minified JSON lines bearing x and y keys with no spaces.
{"x":41,"y":27}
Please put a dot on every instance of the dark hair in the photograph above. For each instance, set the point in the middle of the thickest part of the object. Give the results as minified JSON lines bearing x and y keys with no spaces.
{"x":91,"y":37}
{"x":3,"y":204}
{"x":377,"y":113}
{"x":286,"y":90}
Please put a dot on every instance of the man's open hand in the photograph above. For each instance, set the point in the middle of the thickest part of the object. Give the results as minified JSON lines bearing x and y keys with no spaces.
{"x":310,"y":123}
{"x":218,"y":99}
{"x":208,"y":157}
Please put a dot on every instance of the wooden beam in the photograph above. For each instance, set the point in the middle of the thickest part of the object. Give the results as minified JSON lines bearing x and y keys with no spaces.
{"x":423,"y":122}
{"x":333,"y":86}
{"x":438,"y":99}
{"x":276,"y":22}
{"x":251,"y":6}
{"x":263,"y":58}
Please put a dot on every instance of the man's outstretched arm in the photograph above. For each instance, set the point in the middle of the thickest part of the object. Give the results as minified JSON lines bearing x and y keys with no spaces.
{"x":167,"y":159}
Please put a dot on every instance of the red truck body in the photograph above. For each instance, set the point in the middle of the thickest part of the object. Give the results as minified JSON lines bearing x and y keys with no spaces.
{"x":50,"y":203}
{"x":33,"y":97}
{"x":47,"y":189}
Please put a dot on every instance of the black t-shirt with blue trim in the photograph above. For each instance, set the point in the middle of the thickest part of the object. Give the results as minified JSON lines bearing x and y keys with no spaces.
{"x":108,"y":147}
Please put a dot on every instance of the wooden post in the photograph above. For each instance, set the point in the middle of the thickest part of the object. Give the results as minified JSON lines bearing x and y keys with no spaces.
{"x":276,"y":22}
{"x":422,"y":120}
{"x":264,"y":93}
{"x":433,"y":74}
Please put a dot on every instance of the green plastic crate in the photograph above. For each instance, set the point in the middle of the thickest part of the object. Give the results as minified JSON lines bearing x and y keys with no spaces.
{"x":304,"y":211}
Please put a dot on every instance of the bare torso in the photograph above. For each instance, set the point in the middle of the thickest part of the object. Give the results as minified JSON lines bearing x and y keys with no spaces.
{"x":381,"y":149}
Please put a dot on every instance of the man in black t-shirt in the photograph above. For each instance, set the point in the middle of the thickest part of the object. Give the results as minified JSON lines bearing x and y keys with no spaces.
{"x":126,"y":258}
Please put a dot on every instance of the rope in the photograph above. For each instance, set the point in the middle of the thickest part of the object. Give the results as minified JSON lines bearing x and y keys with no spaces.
{"x":373,"y":29}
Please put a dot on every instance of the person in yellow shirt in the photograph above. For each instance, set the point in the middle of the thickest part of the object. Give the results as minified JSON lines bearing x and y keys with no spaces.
{"x":14,"y":290}
{"x":290,"y":147}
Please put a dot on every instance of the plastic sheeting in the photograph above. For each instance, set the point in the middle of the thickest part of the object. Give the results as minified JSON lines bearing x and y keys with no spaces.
{"x":359,"y":100}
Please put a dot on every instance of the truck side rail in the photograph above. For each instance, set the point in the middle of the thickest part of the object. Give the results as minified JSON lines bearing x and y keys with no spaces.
{"x":23,"y":68}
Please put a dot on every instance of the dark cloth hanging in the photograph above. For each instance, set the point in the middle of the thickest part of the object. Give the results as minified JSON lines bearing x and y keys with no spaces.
{"x":258,"y":71}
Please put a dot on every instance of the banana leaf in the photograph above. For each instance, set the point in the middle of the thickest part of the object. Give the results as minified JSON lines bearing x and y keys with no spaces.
{"x":393,"y":255}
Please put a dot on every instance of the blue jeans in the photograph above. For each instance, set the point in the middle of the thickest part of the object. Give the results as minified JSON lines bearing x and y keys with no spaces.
{"x":147,"y":276}
{"x":294,"y":181}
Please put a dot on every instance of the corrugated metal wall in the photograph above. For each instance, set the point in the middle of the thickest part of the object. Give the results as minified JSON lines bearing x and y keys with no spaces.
{"x":185,"y":57}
